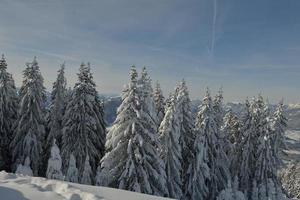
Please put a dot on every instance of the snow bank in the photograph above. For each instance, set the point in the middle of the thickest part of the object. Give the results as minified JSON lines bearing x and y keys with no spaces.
{"x":293,"y":146}
{"x":18,"y":187}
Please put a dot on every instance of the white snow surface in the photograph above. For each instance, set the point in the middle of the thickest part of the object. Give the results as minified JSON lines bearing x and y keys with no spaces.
{"x":19,"y":187}
{"x":293,"y":145}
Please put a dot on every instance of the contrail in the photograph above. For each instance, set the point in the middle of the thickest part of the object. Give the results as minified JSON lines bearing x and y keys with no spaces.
{"x":214,"y":23}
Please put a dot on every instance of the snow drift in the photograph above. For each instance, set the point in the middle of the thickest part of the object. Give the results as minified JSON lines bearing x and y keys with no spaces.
{"x":18,"y":187}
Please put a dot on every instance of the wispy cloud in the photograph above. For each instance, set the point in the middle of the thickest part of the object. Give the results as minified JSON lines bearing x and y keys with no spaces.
{"x":248,"y":41}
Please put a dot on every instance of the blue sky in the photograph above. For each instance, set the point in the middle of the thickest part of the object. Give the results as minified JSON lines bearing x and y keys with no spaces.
{"x":250,"y":47}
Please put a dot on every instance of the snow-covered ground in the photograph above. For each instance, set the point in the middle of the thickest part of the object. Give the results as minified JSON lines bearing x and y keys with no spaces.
{"x":293,"y":145}
{"x":18,"y":187}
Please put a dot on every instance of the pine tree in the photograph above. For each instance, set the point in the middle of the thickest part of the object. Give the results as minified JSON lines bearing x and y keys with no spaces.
{"x":278,"y":126}
{"x":231,"y":192}
{"x":25,"y":169}
{"x":187,"y":134}
{"x":132,"y":160}
{"x":265,"y":160}
{"x":232,"y":138}
{"x":171,"y":151}
{"x":54,"y":164}
{"x":159,"y":101}
{"x":57,"y":107}
{"x":54,"y":117}
{"x":217,"y":159}
{"x":30,"y":130}
{"x":146,"y":94}
{"x":254,"y":193}
{"x":72,"y":172}
{"x":257,"y":160}
{"x":198,"y":172}
{"x":245,"y":160}
{"x":8,"y":113}
{"x":83,"y":123}
{"x":291,"y":179}
{"x":218,"y":108}
{"x":87,"y":173}
{"x":231,"y":129}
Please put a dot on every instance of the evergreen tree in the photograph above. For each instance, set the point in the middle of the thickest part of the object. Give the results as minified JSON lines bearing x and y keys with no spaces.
{"x":186,"y":123}
{"x":146,"y":95}
{"x":30,"y":130}
{"x":265,"y":160}
{"x":54,"y":116}
{"x":8,"y":113}
{"x":218,"y":108}
{"x":245,"y":160}
{"x":54,"y":164}
{"x":25,"y":169}
{"x":197,"y":173}
{"x":232,"y":138}
{"x":57,"y":107}
{"x":291,"y":179}
{"x":159,"y":101}
{"x":132,"y":160}
{"x":72,"y":172}
{"x":171,"y":151}
{"x":231,"y":192}
{"x":278,"y":126}
{"x":217,"y":159}
{"x":231,"y":129}
{"x":257,"y":159}
{"x":254,"y":193}
{"x":87,"y":173}
{"x":83,"y":123}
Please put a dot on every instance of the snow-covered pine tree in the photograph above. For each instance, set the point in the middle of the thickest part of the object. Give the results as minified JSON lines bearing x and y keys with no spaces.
{"x":246,"y":151}
{"x":159,"y":101}
{"x":197,"y":173}
{"x":83,"y":123}
{"x":57,"y":107}
{"x":265,"y":168}
{"x":231,"y":192}
{"x":278,"y":126}
{"x":265,"y":161}
{"x":218,"y":108}
{"x":270,"y":186}
{"x":171,"y":151}
{"x":217,"y":158}
{"x":54,"y":116}
{"x":254,"y":191}
{"x":187,"y":127}
{"x":232,"y":138}
{"x":291,"y":179}
{"x":68,"y":95}
{"x":30,"y":128}
{"x":132,"y":160}
{"x":25,"y":169}
{"x":54,"y":163}
{"x":86,"y":177}
{"x":146,"y":94}
{"x":274,"y":191}
{"x":8,"y":114}
{"x":72,"y":172}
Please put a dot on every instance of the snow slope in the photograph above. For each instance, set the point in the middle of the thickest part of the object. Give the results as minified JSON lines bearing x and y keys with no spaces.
{"x":293,"y":145}
{"x":18,"y":187}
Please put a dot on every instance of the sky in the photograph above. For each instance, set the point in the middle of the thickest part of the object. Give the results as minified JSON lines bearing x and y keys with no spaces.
{"x":245,"y":47}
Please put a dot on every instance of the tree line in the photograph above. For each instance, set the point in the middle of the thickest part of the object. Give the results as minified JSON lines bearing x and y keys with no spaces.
{"x":155,"y":145}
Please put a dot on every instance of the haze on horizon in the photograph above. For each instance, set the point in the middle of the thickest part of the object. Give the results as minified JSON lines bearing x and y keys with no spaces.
{"x":247,"y":47}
